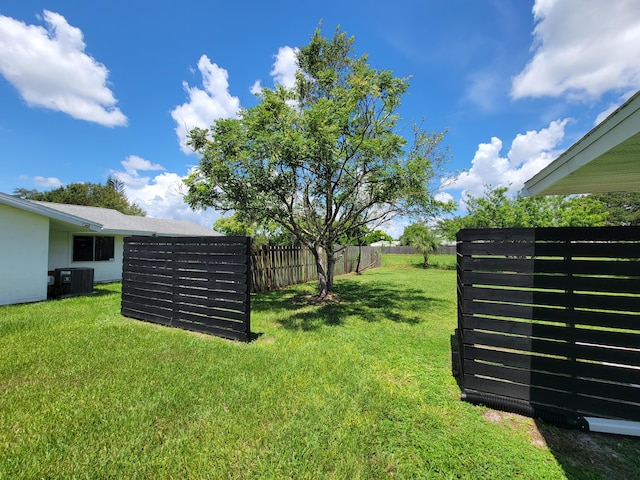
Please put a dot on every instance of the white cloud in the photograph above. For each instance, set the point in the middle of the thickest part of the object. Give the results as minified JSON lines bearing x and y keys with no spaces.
{"x":161,"y":196}
{"x":205,"y":105}
{"x":283,"y":71}
{"x":49,"y":68}
{"x":582,"y":48}
{"x":395,"y":228}
{"x":285,"y":67}
{"x":529,"y":153}
{"x":213,"y":101}
{"x":605,"y":113}
{"x":443,"y":197}
{"x":256,"y":88}
{"x":133,"y":163}
{"x":47,"y":181}
{"x":612,"y":108}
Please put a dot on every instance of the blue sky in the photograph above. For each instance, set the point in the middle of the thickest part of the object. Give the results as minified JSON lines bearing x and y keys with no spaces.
{"x":89,"y":89}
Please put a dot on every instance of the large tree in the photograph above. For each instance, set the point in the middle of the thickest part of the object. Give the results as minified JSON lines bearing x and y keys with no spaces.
{"x":110,"y":195}
{"x":323,"y":158}
{"x":623,"y":208}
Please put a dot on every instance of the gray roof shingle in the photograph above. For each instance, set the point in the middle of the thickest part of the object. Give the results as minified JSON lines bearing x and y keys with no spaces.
{"x":113,"y":221}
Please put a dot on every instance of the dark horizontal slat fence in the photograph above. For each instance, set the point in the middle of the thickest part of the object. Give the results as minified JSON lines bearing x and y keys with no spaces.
{"x":276,"y":267}
{"x":549,"y":320}
{"x":196,"y":283}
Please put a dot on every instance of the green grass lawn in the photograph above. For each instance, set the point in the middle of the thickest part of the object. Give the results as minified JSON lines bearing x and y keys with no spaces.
{"x":443,"y":262}
{"x":360,"y":388}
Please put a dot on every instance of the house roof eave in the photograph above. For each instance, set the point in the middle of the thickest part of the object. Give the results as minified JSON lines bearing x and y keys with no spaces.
{"x":50,"y":213}
{"x":606,"y":159}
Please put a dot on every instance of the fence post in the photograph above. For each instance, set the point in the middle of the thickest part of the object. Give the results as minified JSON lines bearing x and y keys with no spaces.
{"x":460,"y":298}
{"x":249,"y":287}
{"x":570,"y":324}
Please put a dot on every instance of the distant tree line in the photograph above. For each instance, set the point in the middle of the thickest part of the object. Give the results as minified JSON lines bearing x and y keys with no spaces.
{"x":623,"y":208}
{"x":496,"y":209}
{"x":110,"y":195}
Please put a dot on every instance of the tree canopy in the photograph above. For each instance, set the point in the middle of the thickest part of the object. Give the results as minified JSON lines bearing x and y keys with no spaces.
{"x":323,"y":158}
{"x":496,"y":209}
{"x":623,"y":208}
{"x":110,"y":195}
{"x":270,"y":234}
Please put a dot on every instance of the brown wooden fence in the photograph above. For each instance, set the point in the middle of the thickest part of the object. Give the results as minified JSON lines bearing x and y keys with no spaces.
{"x":278,"y":267}
{"x":549,"y":320}
{"x":195,"y":283}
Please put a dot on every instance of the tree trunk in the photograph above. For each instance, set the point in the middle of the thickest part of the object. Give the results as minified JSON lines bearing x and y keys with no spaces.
{"x":323,"y":284}
{"x":331,"y":268}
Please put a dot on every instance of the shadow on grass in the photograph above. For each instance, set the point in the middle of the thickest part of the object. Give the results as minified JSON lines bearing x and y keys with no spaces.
{"x":103,"y":292}
{"x":456,"y":367}
{"x":368,"y":301}
{"x":436,"y":262}
{"x":582,"y":454}
{"x":97,"y":292}
{"x":592,"y":455}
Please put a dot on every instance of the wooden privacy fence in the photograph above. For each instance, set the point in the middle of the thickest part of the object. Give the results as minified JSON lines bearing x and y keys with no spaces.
{"x":195,"y":283}
{"x":549,"y":321}
{"x":277,"y":267}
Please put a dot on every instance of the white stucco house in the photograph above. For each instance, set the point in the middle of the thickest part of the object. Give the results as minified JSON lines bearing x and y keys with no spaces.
{"x":38,"y":237}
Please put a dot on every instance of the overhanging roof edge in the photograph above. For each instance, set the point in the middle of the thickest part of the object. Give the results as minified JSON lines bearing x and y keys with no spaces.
{"x":38,"y":209}
{"x":584,"y":150}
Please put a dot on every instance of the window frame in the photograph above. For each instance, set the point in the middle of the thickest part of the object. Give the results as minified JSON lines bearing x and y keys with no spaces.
{"x":102,"y":250}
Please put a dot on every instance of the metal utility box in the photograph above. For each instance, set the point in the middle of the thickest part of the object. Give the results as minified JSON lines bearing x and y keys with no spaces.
{"x":69,"y":282}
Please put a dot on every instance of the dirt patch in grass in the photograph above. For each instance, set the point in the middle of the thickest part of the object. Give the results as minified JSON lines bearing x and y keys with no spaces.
{"x":329,"y":299}
{"x":581,"y":454}
{"x":514,"y":420}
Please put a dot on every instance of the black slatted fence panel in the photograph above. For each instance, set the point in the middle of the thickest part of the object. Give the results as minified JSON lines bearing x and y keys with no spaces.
{"x":196,"y":283}
{"x":550,"y":318}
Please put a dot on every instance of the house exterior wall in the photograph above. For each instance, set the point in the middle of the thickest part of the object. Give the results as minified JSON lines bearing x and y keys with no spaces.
{"x":61,"y":256}
{"x":24,"y":238}
{"x":58,"y":249}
